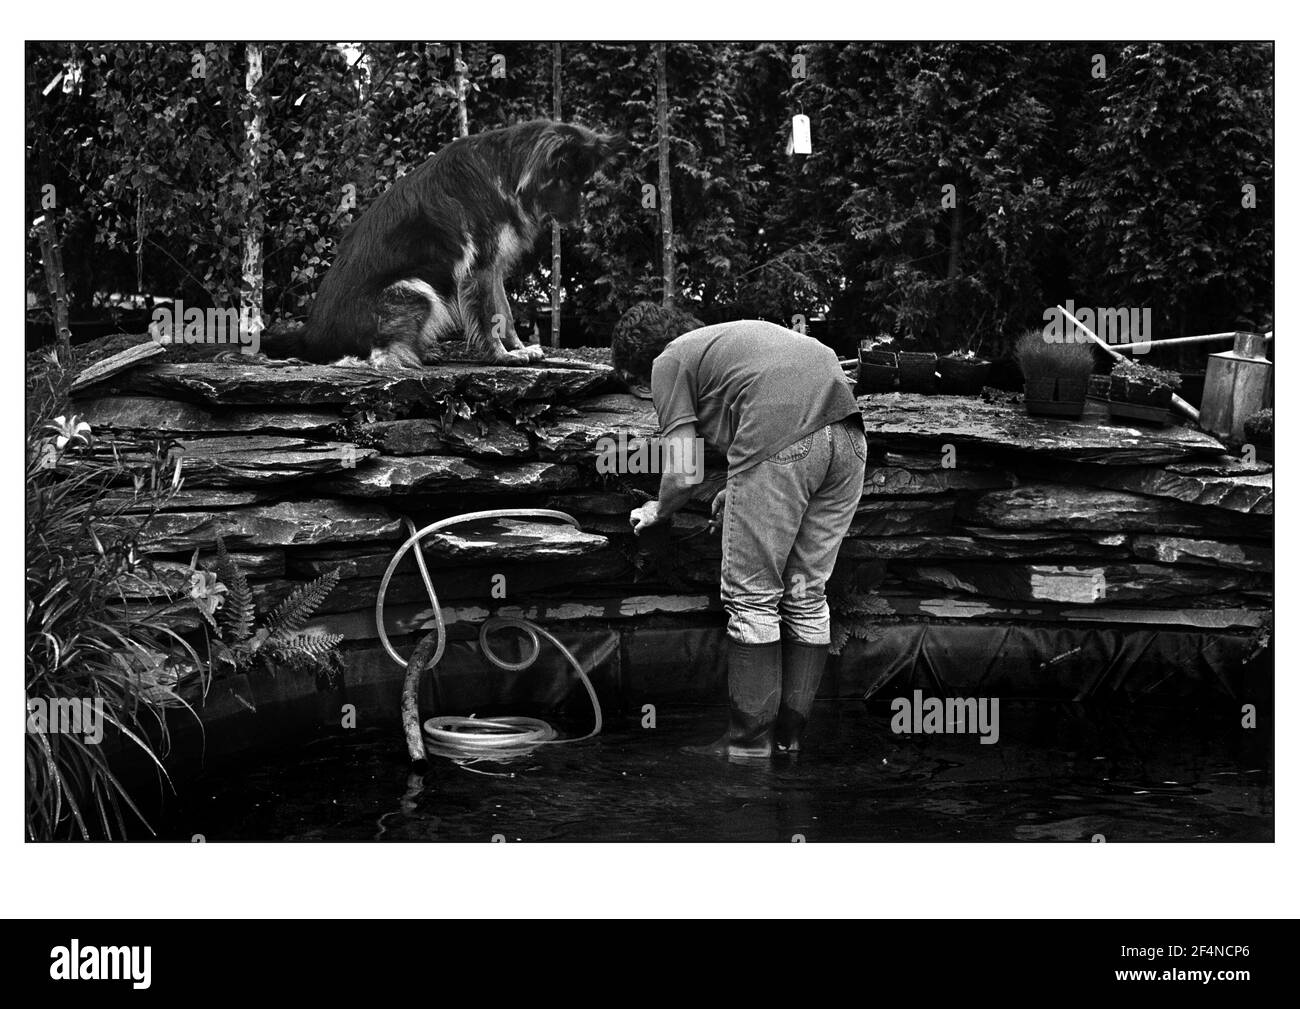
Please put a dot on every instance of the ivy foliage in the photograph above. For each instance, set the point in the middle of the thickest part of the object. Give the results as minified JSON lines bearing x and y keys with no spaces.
{"x":954,"y":190}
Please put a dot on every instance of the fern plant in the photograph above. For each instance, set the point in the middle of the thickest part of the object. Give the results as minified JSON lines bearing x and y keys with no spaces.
{"x":282,"y":638}
{"x":856,"y":615}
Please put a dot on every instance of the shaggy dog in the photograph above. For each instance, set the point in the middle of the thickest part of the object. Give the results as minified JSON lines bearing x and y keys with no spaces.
{"x":429,"y":259}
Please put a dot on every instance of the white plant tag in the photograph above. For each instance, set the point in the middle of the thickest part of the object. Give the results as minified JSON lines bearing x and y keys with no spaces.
{"x":800,"y":135}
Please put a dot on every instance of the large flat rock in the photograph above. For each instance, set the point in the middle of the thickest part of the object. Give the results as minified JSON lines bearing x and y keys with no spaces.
{"x":1084,"y":584}
{"x":490,"y":438}
{"x":1248,"y":492}
{"x":511,"y":539}
{"x":1057,"y":506}
{"x":414,"y":618}
{"x":905,"y":517}
{"x":463,"y":580}
{"x":196,"y":499}
{"x":150,"y":414}
{"x":271,"y":384}
{"x":580,"y":436}
{"x":907,"y":420}
{"x":1211,"y":553}
{"x":105,"y":368}
{"x":897,"y":481}
{"x":173,"y":577}
{"x":388,"y":475}
{"x":287,"y":523}
{"x":970,"y":548}
{"x":263,"y":460}
{"x":943,"y":607}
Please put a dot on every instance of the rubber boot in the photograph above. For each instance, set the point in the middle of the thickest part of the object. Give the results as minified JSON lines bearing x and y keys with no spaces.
{"x":801,"y":671}
{"x":754,"y":695}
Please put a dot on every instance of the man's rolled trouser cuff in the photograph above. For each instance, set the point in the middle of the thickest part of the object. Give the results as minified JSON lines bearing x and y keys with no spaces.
{"x":750,"y":628}
{"x":808,"y":628}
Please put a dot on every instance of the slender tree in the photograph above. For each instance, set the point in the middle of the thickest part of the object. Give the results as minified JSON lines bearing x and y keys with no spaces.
{"x":250,"y":288}
{"x":462,"y":113}
{"x":52,"y":258}
{"x":665,"y":189}
{"x":556,"y":114}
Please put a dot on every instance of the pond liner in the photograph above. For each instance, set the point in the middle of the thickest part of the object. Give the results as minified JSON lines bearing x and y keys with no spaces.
{"x":631,"y":667}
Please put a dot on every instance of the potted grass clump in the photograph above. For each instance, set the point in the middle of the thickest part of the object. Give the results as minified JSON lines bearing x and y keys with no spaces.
{"x":962,"y":373}
{"x":877,"y":367}
{"x":1056,"y":374}
{"x":1142,"y":392}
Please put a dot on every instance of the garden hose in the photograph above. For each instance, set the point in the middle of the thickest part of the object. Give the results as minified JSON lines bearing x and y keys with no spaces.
{"x":461,"y":738}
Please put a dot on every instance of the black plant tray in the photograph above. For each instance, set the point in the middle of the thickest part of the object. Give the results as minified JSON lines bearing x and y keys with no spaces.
{"x":962,"y":376}
{"x":1140,"y":401}
{"x":877,"y":371}
{"x":1139,"y":411}
{"x":874,"y":378}
{"x":916,"y":371}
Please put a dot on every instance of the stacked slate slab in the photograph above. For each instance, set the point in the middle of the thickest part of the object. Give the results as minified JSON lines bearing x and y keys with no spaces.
{"x":1001,"y":551}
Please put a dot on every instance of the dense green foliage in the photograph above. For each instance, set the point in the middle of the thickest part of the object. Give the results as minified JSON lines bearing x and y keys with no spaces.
{"x":1122,"y":189}
{"x":88,"y":648}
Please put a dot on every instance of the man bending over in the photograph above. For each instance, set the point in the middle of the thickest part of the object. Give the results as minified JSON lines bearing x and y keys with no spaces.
{"x":779,"y":406}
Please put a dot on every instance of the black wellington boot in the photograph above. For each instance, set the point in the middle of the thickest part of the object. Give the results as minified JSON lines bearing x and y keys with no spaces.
{"x":754,"y":693}
{"x":801,"y":671}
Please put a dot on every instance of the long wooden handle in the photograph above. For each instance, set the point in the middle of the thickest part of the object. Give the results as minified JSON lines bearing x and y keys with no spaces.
{"x":1179,"y":403}
{"x":1146,"y":345}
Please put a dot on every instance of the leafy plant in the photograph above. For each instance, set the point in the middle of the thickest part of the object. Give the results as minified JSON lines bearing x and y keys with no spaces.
{"x":85,"y":644}
{"x":1259,"y":426}
{"x":282,"y":638}
{"x":1146,"y":374}
{"x":1061,"y":182}
{"x":858,"y":615}
{"x":1040,"y":359}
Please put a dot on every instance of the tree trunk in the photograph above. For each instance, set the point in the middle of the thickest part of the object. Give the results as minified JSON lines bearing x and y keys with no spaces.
{"x":665,"y":188}
{"x":462,"y":113}
{"x":556,"y":114}
{"x":949,"y":320}
{"x":52,"y":259}
{"x":250,"y":286}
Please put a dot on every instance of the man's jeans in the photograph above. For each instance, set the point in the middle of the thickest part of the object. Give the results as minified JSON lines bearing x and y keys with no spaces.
{"x":784,"y":522}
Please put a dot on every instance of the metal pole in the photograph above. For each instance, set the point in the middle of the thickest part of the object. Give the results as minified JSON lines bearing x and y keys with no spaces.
{"x":1148,"y":344}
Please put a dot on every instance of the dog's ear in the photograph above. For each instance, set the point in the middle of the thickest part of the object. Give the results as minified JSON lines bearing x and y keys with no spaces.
{"x":608,"y":146}
{"x":584,"y":151}
{"x":560,"y":163}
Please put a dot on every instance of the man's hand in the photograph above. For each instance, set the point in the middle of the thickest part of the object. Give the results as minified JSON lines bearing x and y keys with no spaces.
{"x":645,"y":516}
{"x":718,"y":511}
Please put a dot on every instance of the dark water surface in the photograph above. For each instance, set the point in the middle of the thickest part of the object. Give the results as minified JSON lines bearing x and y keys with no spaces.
{"x":1058,"y":773}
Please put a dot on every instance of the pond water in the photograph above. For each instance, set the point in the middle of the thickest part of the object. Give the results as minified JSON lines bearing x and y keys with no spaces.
{"x":1058,"y":773}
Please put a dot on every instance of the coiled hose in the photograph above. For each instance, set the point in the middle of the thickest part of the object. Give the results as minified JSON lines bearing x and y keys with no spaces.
{"x":460,"y":738}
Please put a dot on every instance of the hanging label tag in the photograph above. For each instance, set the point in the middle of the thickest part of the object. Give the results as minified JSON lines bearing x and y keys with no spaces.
{"x":800,"y":135}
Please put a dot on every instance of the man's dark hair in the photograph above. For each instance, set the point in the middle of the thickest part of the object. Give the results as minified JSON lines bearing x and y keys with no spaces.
{"x":642,"y":334}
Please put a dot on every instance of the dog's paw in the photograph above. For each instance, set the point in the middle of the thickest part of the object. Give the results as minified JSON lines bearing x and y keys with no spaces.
{"x":239,"y":357}
{"x":524,"y":355}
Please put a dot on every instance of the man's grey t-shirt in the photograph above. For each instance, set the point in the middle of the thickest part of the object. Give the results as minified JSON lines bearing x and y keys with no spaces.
{"x":751,"y":387}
